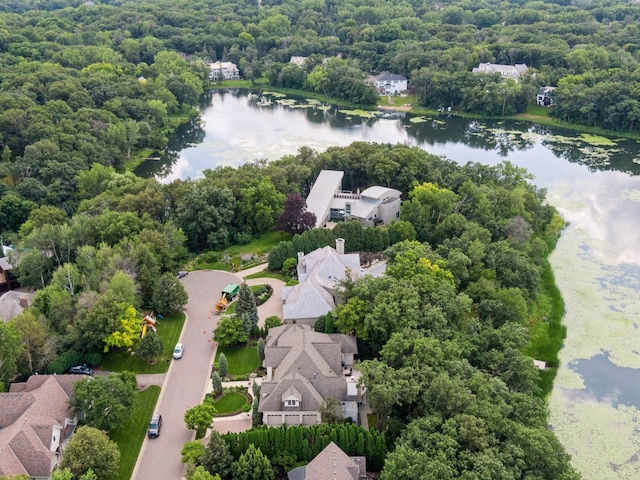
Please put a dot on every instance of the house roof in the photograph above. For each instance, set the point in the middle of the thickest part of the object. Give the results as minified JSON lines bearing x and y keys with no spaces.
{"x":331,"y":463}
{"x":545,"y":90}
{"x":325,"y":186}
{"x":313,"y":297}
{"x":381,"y":193}
{"x":298,"y":60}
{"x":306,"y":363}
{"x":389,"y":77}
{"x":12,"y":303}
{"x":31,"y":414}
{"x":4,"y":264}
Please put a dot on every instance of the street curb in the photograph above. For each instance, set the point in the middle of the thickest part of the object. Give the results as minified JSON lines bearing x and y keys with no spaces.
{"x":162,"y":390}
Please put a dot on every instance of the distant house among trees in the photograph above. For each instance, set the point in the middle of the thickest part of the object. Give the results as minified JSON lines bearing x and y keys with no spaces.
{"x":36,"y":421}
{"x":506,"y":71}
{"x":298,"y":60}
{"x":374,"y":205}
{"x":389,"y":83}
{"x":223,"y":71}
{"x":544,"y":96}
{"x":332,"y":463}
{"x":319,"y":275}
{"x":304,"y":370}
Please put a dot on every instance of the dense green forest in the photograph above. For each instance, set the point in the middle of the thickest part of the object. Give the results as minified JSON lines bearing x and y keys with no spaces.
{"x":88,"y":87}
{"x":589,"y":50}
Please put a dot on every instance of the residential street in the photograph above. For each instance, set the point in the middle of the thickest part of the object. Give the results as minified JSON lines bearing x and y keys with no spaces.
{"x":186,"y":380}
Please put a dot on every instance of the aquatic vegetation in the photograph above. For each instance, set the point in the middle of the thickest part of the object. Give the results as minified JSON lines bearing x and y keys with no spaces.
{"x":418,"y":119}
{"x":275,"y":94}
{"x":597,"y":140}
{"x":359,"y":113}
{"x":287,"y":102}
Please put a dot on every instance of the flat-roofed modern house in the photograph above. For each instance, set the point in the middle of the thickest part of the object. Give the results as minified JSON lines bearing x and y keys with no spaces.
{"x":506,"y":71}
{"x":305,"y":369}
{"x":331,"y":463}
{"x":35,"y":423}
{"x":374,"y":205}
{"x":320,"y":274}
{"x":223,"y":71}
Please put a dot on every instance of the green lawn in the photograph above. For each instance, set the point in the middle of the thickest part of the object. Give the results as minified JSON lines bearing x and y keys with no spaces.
{"x":241,"y":360}
{"x":268,"y":274}
{"x":231,"y":402}
{"x":130,"y":436}
{"x":169,"y":329}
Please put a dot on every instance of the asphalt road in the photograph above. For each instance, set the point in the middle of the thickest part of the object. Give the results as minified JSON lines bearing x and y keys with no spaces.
{"x":185,"y":384}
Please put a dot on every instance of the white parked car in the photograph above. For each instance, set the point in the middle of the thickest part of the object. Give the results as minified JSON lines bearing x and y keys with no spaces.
{"x":178,"y":351}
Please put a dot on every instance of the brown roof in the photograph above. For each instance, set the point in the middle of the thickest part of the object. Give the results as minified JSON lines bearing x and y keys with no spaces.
{"x":333,"y":464}
{"x":33,"y":416}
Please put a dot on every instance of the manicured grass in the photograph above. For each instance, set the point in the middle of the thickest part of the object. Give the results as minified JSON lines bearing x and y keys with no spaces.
{"x":231,"y":402}
{"x":398,"y":101}
{"x":130,"y":436}
{"x":169,"y":329}
{"x":231,"y":308}
{"x":241,"y":360}
{"x":268,"y":274}
{"x":258,"y":246}
{"x":546,"y":332}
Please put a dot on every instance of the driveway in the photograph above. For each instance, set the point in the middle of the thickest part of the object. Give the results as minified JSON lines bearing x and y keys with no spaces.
{"x":187,"y":378}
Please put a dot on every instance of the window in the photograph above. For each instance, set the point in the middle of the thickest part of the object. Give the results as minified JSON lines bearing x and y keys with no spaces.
{"x":348,"y":209}
{"x":291,"y":402}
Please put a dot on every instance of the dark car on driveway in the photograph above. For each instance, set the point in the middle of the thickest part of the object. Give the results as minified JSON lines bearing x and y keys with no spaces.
{"x":154,"y":426}
{"x":81,"y":370}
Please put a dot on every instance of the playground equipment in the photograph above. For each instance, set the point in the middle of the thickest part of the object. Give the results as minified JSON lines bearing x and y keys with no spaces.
{"x":148,"y":323}
{"x":228,"y":294}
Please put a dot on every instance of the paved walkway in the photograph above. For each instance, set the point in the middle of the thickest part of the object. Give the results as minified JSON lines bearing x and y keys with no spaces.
{"x":273,"y":306}
{"x":234,"y":423}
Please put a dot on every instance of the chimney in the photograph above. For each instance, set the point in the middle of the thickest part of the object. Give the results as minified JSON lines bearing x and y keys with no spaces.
{"x":24,"y":302}
{"x":340,"y":246}
{"x":302,"y":263}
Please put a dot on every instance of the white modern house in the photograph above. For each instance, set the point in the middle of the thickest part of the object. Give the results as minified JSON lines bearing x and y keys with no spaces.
{"x":374,"y":205}
{"x":305,"y":369}
{"x":544,"y":96}
{"x":223,"y":71}
{"x":506,"y":71}
{"x":389,"y":83}
{"x":320,"y":274}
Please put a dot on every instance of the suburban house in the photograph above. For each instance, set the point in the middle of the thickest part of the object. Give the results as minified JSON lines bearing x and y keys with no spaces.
{"x":297,"y":60}
{"x":319,"y":276}
{"x":8,"y":280}
{"x":331,"y":463}
{"x":304,"y":369}
{"x":506,"y":71}
{"x":374,"y":205}
{"x":544,"y":96}
{"x":13,"y":303}
{"x":389,"y":83}
{"x":223,"y":71}
{"x":35,"y":424}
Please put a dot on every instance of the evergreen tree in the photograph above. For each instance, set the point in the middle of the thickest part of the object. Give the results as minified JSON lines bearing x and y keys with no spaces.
{"x":252,"y":465}
{"x":256,"y":416}
{"x":260,"y":346}
{"x":216,"y":458}
{"x":223,"y":366}
{"x":150,"y":347}
{"x":247,"y":304}
{"x":216,"y":383}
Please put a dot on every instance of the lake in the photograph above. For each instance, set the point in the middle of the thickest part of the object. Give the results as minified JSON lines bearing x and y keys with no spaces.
{"x":593,"y":182}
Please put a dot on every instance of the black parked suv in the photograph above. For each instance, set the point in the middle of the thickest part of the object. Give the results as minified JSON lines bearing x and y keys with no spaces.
{"x":154,"y":426}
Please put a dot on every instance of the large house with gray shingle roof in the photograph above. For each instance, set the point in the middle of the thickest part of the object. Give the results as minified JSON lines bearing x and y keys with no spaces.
{"x":35,"y":423}
{"x":304,"y":369}
{"x":331,"y":463}
{"x":319,"y":276}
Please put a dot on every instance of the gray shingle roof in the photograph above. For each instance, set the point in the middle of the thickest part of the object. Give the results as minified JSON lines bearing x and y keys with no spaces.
{"x":28,"y":414}
{"x":307,"y":361}
{"x":10,"y":304}
{"x":333,"y":463}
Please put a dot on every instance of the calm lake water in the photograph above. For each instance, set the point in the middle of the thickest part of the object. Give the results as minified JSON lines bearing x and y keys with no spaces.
{"x":594,"y":183}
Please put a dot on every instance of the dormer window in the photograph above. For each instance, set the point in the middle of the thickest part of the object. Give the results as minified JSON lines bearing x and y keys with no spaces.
{"x":291,"y":401}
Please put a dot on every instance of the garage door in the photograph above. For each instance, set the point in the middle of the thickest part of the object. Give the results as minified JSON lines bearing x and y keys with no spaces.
{"x":309,"y":419}
{"x":274,"y":420}
{"x":292,"y":419}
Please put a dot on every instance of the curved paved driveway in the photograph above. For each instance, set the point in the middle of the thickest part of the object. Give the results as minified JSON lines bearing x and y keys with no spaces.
{"x":187,"y":378}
